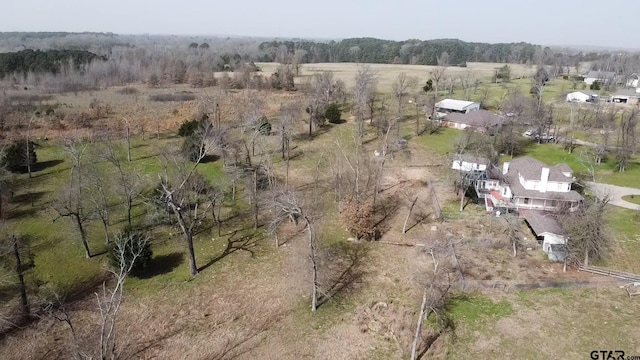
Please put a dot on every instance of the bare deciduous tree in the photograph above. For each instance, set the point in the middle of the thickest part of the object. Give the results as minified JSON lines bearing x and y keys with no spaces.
{"x":288,"y":207}
{"x":364,"y":87}
{"x":182,"y":193}
{"x":626,"y":139}
{"x":585,"y":230}
{"x":400,"y":88}
{"x":128,"y":248}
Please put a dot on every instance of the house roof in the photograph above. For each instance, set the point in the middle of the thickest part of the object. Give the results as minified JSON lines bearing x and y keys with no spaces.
{"x":601,"y":74}
{"x":626,"y":92}
{"x":586,"y":92}
{"x":452,"y":104}
{"x":478,"y":118}
{"x":473,"y":159}
{"x":542,"y":222}
{"x":519,"y":191}
{"x":531,"y":169}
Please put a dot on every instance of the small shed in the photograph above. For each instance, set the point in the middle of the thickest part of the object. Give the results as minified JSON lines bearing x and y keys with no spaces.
{"x":547,"y":230}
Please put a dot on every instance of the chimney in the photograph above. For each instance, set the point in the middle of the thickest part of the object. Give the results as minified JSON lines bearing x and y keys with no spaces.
{"x":505,"y":168}
{"x":544,"y":179}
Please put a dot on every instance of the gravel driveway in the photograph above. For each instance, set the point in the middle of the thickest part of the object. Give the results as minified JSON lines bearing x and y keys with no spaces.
{"x":615,"y":193}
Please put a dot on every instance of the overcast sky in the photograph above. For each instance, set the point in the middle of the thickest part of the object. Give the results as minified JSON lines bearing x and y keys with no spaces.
{"x":546,"y":22}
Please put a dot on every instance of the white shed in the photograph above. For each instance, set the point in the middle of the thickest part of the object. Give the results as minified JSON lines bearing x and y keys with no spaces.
{"x":548,"y":231}
{"x":582,"y":96}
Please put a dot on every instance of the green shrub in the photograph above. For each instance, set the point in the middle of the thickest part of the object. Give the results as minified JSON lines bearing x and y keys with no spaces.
{"x":189,"y":128}
{"x":264,"y":126}
{"x":190,"y":148}
{"x":15,"y":159}
{"x":133,"y":242}
{"x":333,"y":113}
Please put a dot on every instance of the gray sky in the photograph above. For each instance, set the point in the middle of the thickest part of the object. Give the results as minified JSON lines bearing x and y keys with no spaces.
{"x":547,"y":22}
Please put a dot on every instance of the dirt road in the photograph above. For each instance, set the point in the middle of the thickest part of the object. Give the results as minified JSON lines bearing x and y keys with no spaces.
{"x":615,"y":193}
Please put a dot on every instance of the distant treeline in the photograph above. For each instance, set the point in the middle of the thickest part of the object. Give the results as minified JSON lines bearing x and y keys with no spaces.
{"x":428,"y":52}
{"x":49,"y":61}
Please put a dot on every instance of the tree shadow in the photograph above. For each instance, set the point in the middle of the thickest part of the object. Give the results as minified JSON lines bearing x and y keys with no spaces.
{"x":42,"y":165}
{"x":210,"y":158}
{"x":235,"y":242}
{"x":345,"y":270}
{"x":338,"y":122}
{"x":161,"y":265}
{"x":27,"y":198}
{"x":19,"y":213}
{"x":385,"y":211}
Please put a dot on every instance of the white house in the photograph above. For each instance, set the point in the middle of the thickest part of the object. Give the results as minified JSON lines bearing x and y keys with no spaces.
{"x":603,"y":77}
{"x":548,"y":233}
{"x":528,"y":184}
{"x":582,"y":96}
{"x":448,"y":106}
{"x":632,"y":81}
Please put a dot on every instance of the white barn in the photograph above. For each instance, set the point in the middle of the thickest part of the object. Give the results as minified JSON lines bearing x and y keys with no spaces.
{"x":448,"y":106}
{"x":582,"y":96}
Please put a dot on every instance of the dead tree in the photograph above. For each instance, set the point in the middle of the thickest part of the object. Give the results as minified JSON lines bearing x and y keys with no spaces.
{"x":364,"y":87}
{"x":585,"y":229}
{"x":129,"y":183}
{"x":182,"y":193}
{"x":288,"y":208}
{"x":110,"y":299}
{"x":626,"y":139}
{"x":434,"y":299}
{"x":400,"y":88}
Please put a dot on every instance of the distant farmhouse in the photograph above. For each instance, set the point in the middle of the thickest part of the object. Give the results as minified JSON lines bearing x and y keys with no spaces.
{"x":532,"y":189}
{"x":633,"y":81}
{"x":602,"y":77}
{"x":479,"y":120}
{"x":461,"y":114}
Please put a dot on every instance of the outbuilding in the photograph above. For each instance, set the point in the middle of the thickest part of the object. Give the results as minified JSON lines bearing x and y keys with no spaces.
{"x":548,"y":232}
{"x":449,"y":106}
{"x":582,"y":96}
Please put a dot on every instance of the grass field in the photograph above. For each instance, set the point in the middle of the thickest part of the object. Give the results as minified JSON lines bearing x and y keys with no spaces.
{"x":545,"y":324}
{"x":387,"y":73}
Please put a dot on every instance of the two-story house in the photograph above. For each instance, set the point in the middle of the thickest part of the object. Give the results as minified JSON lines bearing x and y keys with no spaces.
{"x":531,"y":188}
{"x":529,"y":184}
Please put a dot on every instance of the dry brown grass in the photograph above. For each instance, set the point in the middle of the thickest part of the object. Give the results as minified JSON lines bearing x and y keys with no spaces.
{"x":387,"y":73}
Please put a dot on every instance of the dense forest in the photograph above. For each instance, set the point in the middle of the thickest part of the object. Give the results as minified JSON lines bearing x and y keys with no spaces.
{"x":51,"y":61}
{"x":429,"y":52}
